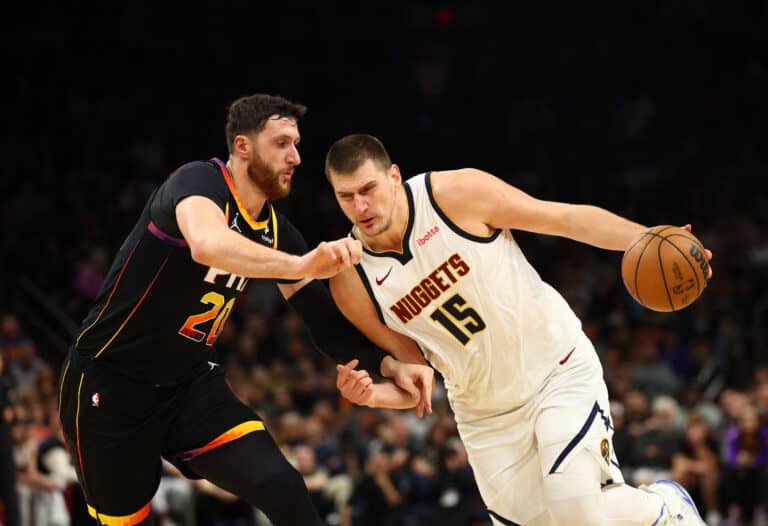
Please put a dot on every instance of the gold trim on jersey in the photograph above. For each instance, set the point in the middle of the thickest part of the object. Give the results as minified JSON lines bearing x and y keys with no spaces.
{"x":130,"y":315}
{"x":403,"y":241}
{"x":255,"y":225}
{"x":274,"y":226}
{"x":77,"y":433}
{"x":120,"y":520}
{"x":111,"y":293}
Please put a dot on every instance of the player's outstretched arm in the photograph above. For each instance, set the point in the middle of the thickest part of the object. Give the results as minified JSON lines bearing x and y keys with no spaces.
{"x":212,"y":243}
{"x":480,"y":203}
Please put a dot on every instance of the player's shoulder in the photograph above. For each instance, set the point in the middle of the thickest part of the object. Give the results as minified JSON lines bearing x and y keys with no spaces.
{"x":452,"y":183}
{"x":199,"y":167}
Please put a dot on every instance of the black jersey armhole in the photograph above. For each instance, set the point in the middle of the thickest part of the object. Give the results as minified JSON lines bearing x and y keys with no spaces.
{"x":453,"y":226}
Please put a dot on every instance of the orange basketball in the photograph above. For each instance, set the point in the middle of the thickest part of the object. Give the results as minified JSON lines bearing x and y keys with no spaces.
{"x":665,"y":268}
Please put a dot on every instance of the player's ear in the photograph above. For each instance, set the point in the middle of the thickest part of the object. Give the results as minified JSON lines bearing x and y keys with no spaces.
{"x":243,"y":147}
{"x":394,"y":174}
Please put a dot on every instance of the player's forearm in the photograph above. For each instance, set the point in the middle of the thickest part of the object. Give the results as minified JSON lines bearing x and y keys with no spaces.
{"x":599,"y":227}
{"x":331,"y":332}
{"x":231,"y":252}
{"x":387,"y":395}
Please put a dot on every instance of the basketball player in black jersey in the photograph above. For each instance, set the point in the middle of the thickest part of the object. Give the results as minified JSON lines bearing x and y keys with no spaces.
{"x":140,"y":382}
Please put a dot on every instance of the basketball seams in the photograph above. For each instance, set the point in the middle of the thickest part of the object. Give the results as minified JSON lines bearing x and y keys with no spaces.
{"x":698,"y":244}
{"x":664,"y":274}
{"x":651,"y":235}
{"x":639,"y":259}
{"x":655,"y":270}
{"x":685,"y":257}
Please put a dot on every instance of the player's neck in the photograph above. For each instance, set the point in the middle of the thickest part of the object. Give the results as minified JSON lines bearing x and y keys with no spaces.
{"x":249,"y":193}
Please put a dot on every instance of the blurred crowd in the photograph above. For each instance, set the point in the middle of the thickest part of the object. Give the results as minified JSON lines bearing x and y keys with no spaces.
{"x":689,"y":390}
{"x":677,"y":410}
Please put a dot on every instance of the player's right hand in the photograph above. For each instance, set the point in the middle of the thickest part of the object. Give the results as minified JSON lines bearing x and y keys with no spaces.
{"x":355,"y":386}
{"x":707,"y":252}
{"x":330,"y":257}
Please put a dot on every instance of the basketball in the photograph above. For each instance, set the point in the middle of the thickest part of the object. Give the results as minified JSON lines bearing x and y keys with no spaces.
{"x":665,"y":269}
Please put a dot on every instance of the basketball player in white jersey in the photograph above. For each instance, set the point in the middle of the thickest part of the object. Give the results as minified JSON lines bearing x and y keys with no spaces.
{"x":441,"y":268}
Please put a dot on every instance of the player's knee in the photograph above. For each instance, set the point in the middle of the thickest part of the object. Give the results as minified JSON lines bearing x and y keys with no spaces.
{"x":280,"y":480}
{"x":282,"y":495}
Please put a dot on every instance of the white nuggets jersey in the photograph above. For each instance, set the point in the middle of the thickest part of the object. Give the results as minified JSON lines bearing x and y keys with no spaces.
{"x":481,"y":314}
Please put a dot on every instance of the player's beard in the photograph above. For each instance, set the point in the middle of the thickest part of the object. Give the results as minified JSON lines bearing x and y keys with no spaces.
{"x":268,"y":179}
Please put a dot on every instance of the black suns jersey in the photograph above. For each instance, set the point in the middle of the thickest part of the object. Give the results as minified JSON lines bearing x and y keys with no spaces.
{"x":159,"y":312}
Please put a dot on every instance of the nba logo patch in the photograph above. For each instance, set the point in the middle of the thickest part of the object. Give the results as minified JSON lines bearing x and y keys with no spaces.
{"x":95,"y":399}
{"x":605,"y":450}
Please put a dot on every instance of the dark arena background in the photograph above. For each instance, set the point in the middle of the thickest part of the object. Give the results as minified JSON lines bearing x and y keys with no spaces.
{"x":654,"y":110}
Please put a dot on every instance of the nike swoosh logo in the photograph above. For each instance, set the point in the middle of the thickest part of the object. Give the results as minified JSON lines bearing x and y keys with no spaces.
{"x":380,"y":281}
{"x":562,"y":362}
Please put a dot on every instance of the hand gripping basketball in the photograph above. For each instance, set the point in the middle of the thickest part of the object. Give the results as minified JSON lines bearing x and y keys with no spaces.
{"x":666,"y":268}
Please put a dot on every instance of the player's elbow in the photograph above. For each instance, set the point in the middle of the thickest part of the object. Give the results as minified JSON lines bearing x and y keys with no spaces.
{"x":201,"y":249}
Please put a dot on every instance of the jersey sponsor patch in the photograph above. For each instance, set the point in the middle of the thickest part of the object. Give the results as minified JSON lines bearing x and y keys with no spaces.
{"x":422,"y":240}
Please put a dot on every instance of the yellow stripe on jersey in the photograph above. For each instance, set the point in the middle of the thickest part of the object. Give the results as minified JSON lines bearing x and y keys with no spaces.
{"x":120,"y":520}
{"x":130,"y":315}
{"x":255,"y":225}
{"x":274,"y":225}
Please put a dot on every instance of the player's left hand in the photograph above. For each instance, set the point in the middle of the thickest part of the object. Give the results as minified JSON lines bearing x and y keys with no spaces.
{"x":417,"y":380}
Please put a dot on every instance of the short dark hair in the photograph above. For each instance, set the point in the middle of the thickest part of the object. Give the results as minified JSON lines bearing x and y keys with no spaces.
{"x":249,"y":114}
{"x":350,"y":153}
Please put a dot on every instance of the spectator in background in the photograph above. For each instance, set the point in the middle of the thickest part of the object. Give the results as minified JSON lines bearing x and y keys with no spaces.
{"x":650,"y":374}
{"x":41,"y":495}
{"x":26,"y":367}
{"x":11,"y":336}
{"x":656,"y":444}
{"x":377,"y":499}
{"x":423,"y":502}
{"x":696,"y":465}
{"x":746,"y":456}
{"x":9,"y":497}
{"x":459,"y":497}
{"x":91,"y":272}
{"x":173,"y":502}
{"x":316,"y":479}
{"x":329,"y":458}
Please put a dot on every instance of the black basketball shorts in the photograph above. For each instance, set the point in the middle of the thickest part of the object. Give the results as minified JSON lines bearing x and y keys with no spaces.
{"x":118,"y":429}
